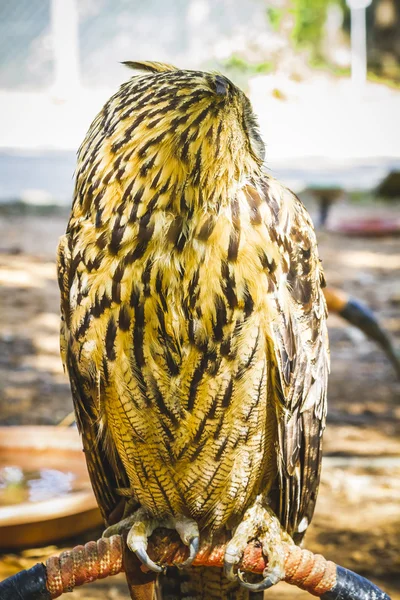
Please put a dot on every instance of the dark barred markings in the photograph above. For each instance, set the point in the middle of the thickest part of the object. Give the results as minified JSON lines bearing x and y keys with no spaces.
{"x":107,"y":177}
{"x":228,"y":285}
{"x":169,"y":344}
{"x":146,"y":230}
{"x":146,"y":277}
{"x":196,"y":173}
{"x":84,"y":326}
{"x":193,"y":290}
{"x":221,"y":448}
{"x":220,"y":318}
{"x":254,"y":201}
{"x":226,"y":347}
{"x":267,"y":264}
{"x":119,"y":171}
{"x":126,"y":196}
{"x":165,"y":187}
{"x":152,"y":142}
{"x":100,"y":305}
{"x":118,"y":273}
{"x":213,"y":366}
{"x":175,"y":229}
{"x":99,"y":197}
{"x":77,"y":259}
{"x":196,"y":378}
{"x":147,"y":166}
{"x":156,"y":180}
{"x":258,"y":395}
{"x":200,"y":430}
{"x":199,"y":449}
{"x":247,"y":364}
{"x":207,"y":497}
{"x":110,"y":339}
{"x":207,"y":228}
{"x":160,"y":291}
{"x":116,"y":292}
{"x":234,"y":238}
{"x":154,"y":123}
{"x":218,"y":140}
{"x":105,"y":372}
{"x":302,"y":287}
{"x":116,"y":236}
{"x":146,"y":227}
{"x":227,"y":395}
{"x":102,"y":240}
{"x":177,"y":121}
{"x":139,"y":195}
{"x":201,"y":116}
{"x":133,"y":213}
{"x":271,"y":201}
{"x":210,"y":133}
{"x":184,"y":144}
{"x":124,"y":318}
{"x":166,"y":497}
{"x":248,"y":303}
{"x":95,"y":264}
{"x":160,"y":403}
{"x":138,"y":307}
{"x":193,"y":98}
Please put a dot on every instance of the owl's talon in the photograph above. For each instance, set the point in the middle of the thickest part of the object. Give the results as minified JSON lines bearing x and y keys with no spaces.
{"x":270,"y":578}
{"x":189,"y":533}
{"x":229,"y":567}
{"x":259,"y":523}
{"x":194,"y":545}
{"x":142,"y":555}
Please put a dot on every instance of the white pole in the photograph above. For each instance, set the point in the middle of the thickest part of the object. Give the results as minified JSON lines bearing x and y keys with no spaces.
{"x":358,"y":47}
{"x":358,"y":41}
{"x":64,"y":26}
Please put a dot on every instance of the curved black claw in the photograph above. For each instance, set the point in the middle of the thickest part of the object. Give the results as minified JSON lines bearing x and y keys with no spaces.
{"x":230,"y":571}
{"x":194,"y":545}
{"x":271,"y":577}
{"x":142,"y":555}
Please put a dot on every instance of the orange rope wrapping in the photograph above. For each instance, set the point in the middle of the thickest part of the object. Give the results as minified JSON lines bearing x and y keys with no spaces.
{"x":83,"y":564}
{"x":97,"y":560}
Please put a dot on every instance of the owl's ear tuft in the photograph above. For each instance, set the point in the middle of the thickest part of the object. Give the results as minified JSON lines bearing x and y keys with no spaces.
{"x":151,"y":67}
{"x":221,"y":85}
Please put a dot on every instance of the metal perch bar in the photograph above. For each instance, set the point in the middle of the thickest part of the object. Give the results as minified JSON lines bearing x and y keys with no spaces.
{"x":97,"y":560}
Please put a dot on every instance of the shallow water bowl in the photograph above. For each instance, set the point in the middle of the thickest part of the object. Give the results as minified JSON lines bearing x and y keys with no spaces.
{"x":45,"y":491}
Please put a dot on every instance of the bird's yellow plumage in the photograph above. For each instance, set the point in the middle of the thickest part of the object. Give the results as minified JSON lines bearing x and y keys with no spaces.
{"x":193,"y":319}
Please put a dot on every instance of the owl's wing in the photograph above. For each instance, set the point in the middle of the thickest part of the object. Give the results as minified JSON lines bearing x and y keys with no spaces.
{"x":105,"y":477}
{"x":300,"y":352}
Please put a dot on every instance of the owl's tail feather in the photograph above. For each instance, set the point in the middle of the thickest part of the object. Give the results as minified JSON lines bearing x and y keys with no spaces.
{"x":200,"y":583}
{"x":141,"y":585}
{"x":146,"y":591}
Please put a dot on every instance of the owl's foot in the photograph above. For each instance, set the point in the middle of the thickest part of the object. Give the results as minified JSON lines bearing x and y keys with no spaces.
{"x":141,"y":526}
{"x":259,"y":523}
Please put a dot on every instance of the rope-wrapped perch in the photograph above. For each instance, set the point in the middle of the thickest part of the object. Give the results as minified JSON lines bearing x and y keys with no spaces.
{"x":97,"y":560}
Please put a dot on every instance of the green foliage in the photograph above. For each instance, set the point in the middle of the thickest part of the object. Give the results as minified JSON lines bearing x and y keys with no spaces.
{"x":309,"y":18}
{"x":241,"y":65}
{"x":309,"y":21}
{"x":275,"y":17}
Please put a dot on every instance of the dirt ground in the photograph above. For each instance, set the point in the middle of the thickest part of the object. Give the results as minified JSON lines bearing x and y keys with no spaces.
{"x":357,"y":522}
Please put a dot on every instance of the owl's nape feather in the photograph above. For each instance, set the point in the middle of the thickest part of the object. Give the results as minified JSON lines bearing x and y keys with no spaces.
{"x":193,"y":322}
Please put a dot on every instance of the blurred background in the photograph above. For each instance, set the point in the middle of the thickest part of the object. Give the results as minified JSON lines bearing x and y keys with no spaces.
{"x":324,"y":78}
